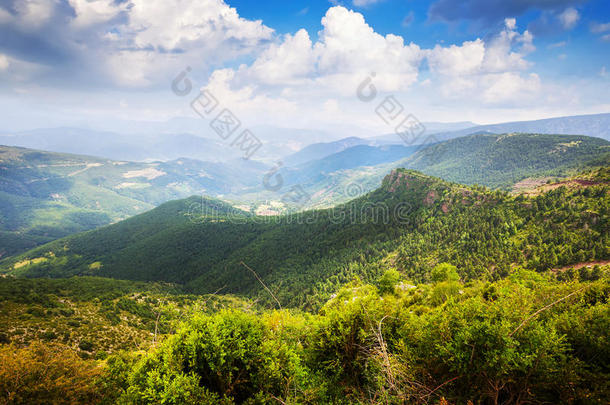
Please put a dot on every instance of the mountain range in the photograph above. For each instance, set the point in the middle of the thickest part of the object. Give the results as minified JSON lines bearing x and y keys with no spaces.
{"x":411,"y":222}
{"x":47,"y":195}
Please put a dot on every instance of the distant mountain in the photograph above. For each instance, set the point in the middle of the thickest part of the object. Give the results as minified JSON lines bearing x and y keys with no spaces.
{"x":347,"y":158}
{"x":502,"y":160}
{"x":174,"y":139}
{"x":434,"y":127}
{"x":46,"y":195}
{"x":496,"y":161}
{"x":116,"y":146}
{"x":597,"y":125}
{"x":317,"y":151}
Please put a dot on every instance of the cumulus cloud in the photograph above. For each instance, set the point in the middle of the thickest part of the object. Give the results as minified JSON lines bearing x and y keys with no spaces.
{"x":133,"y":42}
{"x":569,"y":18}
{"x":295,"y":77}
{"x":477,"y":57}
{"x":491,"y":68}
{"x":295,"y":71}
{"x":347,"y":50}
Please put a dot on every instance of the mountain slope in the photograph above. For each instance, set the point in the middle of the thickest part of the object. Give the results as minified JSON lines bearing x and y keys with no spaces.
{"x":502,"y":160}
{"x":597,"y":125}
{"x":313,"y":171}
{"x":411,"y":222}
{"x":46,"y":195}
{"x":497,"y":161}
{"x":317,"y":151}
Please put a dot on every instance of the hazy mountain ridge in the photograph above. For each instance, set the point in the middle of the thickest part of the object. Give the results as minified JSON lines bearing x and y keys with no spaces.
{"x":596,"y":125}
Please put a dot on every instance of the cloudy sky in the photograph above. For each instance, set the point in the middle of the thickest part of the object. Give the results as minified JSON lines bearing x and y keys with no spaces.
{"x":299,"y":63}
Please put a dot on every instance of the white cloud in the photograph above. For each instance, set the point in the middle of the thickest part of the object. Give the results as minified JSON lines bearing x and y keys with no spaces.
{"x":319,"y":79}
{"x":4,"y":63}
{"x":510,"y":87}
{"x":457,"y":60}
{"x":284,"y":63}
{"x":598,"y":28}
{"x":348,"y":50}
{"x":184,"y":24}
{"x":569,"y":18}
{"x":477,"y":57}
{"x":135,"y":42}
{"x":94,"y":12}
{"x":560,"y":44}
{"x":349,"y":47}
{"x":34,"y":13}
{"x":290,"y":79}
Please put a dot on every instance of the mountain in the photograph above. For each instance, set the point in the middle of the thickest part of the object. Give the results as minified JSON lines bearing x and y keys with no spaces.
{"x":411,"y":222}
{"x":46,"y":195}
{"x":503,"y":160}
{"x":180,"y":138}
{"x":320,"y":150}
{"x":117,"y":146}
{"x":497,"y":161}
{"x":597,"y":125}
{"x":348,"y":158}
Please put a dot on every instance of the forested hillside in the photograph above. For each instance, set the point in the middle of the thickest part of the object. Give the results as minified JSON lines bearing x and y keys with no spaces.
{"x":45,"y":195}
{"x":502,"y":160}
{"x":411,"y":223}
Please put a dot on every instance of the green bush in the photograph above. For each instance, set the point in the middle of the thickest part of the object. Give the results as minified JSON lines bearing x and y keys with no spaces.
{"x":230,"y":356}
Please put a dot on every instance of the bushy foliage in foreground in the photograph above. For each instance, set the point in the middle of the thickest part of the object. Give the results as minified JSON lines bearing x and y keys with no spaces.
{"x":48,"y":374}
{"x":530,"y":338}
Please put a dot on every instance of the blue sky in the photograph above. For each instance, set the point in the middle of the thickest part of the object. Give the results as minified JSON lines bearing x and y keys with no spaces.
{"x":299,"y":63}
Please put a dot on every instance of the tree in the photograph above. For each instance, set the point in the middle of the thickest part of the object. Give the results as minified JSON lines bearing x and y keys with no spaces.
{"x":444,"y":272}
{"x":387,"y":282}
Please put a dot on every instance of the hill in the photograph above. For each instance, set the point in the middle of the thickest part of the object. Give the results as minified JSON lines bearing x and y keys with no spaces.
{"x":503,"y":160}
{"x":410,"y":223}
{"x":46,"y":195}
{"x":311,"y":172}
{"x":596,"y":125}
{"x":320,"y":150}
{"x":497,"y":161}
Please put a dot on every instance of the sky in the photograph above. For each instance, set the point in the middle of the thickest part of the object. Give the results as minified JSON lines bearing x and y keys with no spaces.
{"x":301,"y":64}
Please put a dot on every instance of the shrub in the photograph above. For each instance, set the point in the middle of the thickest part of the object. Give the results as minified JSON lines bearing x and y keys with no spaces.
{"x":48,"y":374}
{"x":227,"y":356}
{"x":444,"y":272}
